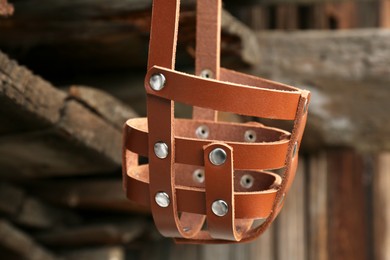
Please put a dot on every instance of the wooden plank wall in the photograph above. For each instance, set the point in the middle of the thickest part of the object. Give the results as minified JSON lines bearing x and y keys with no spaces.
{"x":334,"y":15}
{"x":338,"y":208}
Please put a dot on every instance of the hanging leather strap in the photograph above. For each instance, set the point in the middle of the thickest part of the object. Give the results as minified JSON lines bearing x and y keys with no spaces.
{"x":208,"y":45}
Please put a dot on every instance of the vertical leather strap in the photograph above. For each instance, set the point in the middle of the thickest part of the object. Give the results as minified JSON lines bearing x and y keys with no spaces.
{"x":162,"y":52}
{"x":208,"y":42}
{"x":219,"y":180}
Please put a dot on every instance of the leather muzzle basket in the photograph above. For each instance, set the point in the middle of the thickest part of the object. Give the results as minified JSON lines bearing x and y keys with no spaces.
{"x":209,"y":181}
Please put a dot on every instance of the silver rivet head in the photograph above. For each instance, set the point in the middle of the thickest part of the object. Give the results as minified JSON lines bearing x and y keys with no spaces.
{"x":295,"y":148}
{"x":250,"y":136}
{"x":198,"y":176}
{"x":157,"y":81}
{"x":217,"y":156}
{"x":202,"y":132}
{"x":247,"y":181}
{"x":220,"y":208}
{"x":161,"y":150}
{"x":207,"y":74}
{"x":162,"y":199}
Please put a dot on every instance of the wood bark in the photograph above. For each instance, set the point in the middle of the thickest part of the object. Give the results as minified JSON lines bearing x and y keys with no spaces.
{"x":44,"y":132}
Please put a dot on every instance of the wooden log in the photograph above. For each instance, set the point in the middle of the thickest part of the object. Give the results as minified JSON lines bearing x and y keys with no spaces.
{"x":45,"y":134}
{"x":317,"y":207}
{"x":109,"y":108}
{"x":347,"y":207}
{"x":95,"y":194}
{"x":21,"y":244}
{"x":381,"y":199}
{"x":117,"y":30}
{"x":347,"y":73}
{"x":291,"y":224}
{"x":94,"y":235}
{"x":30,"y":212}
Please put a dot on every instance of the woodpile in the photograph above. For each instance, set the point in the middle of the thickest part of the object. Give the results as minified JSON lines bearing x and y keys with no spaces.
{"x":61,"y":193}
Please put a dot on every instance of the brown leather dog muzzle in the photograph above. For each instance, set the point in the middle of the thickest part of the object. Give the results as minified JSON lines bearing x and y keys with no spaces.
{"x":209,"y":181}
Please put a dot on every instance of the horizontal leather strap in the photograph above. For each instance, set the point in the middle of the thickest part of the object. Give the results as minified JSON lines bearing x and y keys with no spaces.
{"x":267,"y":102}
{"x":249,"y":204}
{"x":269,"y":152}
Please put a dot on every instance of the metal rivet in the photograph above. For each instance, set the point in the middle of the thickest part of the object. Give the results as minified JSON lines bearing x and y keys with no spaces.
{"x":220,"y":208}
{"x":157,"y":81}
{"x":198,"y":175}
{"x":207,"y":74}
{"x":162,"y":199}
{"x":250,"y":136}
{"x":217,"y":156}
{"x":295,"y":149}
{"x":281,"y":199}
{"x":305,"y":106}
{"x":202,"y":132}
{"x":161,"y":150}
{"x":247,"y":181}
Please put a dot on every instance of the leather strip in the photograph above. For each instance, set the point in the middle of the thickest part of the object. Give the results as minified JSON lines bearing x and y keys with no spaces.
{"x":162,"y":50}
{"x":266,"y":154}
{"x":268,"y":103}
{"x":255,"y":204}
{"x":208,"y":44}
{"x":220,"y":187}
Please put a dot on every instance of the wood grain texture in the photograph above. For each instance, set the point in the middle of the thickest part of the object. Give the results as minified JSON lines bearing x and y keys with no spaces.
{"x":347,"y":74}
{"x":318,"y":207}
{"x":347,"y":232}
{"x":43,"y":132}
{"x":382,"y":207}
{"x":291,"y":224}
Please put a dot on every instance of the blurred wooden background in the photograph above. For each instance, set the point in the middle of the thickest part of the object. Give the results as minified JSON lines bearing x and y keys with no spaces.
{"x":60,"y":132}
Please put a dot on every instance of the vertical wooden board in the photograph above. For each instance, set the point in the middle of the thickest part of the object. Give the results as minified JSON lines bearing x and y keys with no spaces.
{"x":367,"y":12}
{"x":381,"y":184}
{"x":384,"y":19}
{"x":240,"y":251}
{"x":317,"y":208}
{"x":212,"y":252}
{"x":184,"y":252}
{"x":291,"y":224}
{"x":347,"y":230}
{"x":156,"y":250}
{"x":259,"y":18}
{"x":263,"y":247}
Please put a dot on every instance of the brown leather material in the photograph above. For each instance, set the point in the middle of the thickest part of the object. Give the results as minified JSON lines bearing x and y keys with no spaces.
{"x":279,"y":103}
{"x":269,"y":153}
{"x":186,"y":175}
{"x":208,"y":42}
